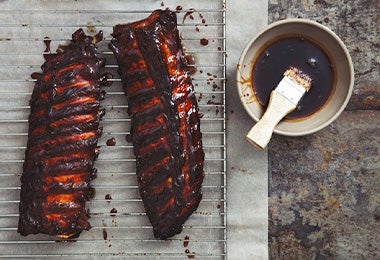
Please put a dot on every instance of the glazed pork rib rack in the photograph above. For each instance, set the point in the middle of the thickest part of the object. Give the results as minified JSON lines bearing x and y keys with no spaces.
{"x":62,"y":140}
{"x":164,"y":119}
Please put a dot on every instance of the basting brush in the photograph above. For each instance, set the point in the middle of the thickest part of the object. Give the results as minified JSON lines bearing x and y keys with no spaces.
{"x":283,"y":100}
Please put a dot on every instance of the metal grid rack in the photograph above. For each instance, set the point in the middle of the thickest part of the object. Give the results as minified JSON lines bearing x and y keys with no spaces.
{"x":127,"y":233}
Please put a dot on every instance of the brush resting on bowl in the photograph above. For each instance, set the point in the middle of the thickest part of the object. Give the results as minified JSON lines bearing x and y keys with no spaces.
{"x":299,"y":52}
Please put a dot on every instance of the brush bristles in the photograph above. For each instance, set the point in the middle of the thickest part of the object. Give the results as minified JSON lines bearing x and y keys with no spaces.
{"x":299,"y":77}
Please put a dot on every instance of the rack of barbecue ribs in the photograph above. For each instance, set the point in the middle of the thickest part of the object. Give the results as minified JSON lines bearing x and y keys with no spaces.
{"x":164,"y":119}
{"x":62,"y":140}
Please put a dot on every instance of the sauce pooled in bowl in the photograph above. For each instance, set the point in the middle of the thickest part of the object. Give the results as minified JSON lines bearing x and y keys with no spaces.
{"x":274,"y":60}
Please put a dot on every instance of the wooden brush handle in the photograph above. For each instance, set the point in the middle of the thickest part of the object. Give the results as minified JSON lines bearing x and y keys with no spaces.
{"x":278,"y":107}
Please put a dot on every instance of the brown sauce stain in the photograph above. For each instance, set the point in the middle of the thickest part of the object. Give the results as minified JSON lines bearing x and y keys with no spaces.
{"x":47,"y":43}
{"x":190,"y":61}
{"x":189,"y":255}
{"x":200,"y":97}
{"x":188,"y":14}
{"x":108,"y":197}
{"x":247,"y":83}
{"x":211,"y":102}
{"x":47,"y":51}
{"x":186,"y":241}
{"x":113,"y":212}
{"x":204,"y":41}
{"x":105,"y":234}
{"x":111,"y":142}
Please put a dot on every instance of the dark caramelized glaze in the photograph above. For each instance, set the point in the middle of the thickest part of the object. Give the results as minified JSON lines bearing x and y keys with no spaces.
{"x":62,"y":140}
{"x":165,"y":121}
{"x":303,"y":54}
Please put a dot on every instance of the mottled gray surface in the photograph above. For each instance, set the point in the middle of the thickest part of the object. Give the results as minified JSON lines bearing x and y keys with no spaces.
{"x":325,"y":191}
{"x":324,"y":188}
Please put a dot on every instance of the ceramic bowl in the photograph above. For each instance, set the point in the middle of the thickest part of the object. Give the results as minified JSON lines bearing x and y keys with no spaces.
{"x":338,"y":55}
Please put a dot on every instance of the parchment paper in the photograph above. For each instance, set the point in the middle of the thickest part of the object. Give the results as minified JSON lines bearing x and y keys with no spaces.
{"x":247,"y":176}
{"x":129,"y":234}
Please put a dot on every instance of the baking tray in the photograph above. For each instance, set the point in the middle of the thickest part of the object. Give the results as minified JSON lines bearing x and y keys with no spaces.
{"x":127,"y":233}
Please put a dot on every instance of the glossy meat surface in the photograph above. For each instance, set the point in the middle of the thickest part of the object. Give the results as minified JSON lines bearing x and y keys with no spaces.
{"x":165,"y":125}
{"x":62,"y":141}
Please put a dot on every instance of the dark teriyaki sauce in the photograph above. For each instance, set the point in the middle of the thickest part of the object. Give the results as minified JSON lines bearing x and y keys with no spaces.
{"x":108,"y":197}
{"x":47,"y":42}
{"x":111,"y":142}
{"x":113,"y":212}
{"x":204,"y":41}
{"x":105,"y":234}
{"x":186,"y":241}
{"x":272,"y":62}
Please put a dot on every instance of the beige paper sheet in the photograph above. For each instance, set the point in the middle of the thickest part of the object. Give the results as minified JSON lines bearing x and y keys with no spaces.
{"x":129,"y":233}
{"x":247,"y":175}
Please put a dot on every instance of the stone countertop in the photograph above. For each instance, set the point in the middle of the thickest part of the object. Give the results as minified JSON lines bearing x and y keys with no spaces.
{"x":324,"y":189}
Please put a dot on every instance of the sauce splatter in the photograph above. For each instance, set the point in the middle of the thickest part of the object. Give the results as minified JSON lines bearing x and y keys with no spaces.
{"x":47,"y":51}
{"x":108,"y":197}
{"x":178,"y":8}
{"x":188,"y":14}
{"x":113,"y":212}
{"x":204,"y":41}
{"x":186,"y":241}
{"x":200,"y":97}
{"x":47,"y":42}
{"x":211,"y":102}
{"x":189,"y":255}
{"x":111,"y":142}
{"x":105,"y":234}
{"x":190,"y":60}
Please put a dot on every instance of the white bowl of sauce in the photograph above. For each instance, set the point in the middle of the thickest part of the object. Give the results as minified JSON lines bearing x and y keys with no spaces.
{"x":314,"y":49}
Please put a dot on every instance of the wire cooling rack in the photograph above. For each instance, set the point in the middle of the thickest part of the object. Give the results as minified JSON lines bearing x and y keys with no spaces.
{"x":127,"y":233}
